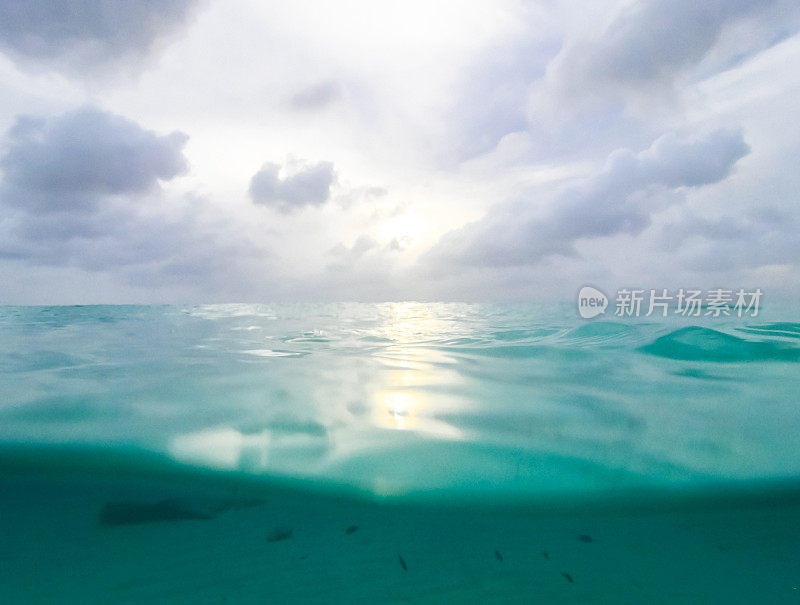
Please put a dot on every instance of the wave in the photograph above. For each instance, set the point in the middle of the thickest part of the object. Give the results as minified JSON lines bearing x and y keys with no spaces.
{"x":704,"y":344}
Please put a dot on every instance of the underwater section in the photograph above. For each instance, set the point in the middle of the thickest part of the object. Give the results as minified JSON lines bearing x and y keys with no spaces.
{"x":131,"y":528}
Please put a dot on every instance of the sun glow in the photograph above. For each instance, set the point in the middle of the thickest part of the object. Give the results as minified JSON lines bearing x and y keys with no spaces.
{"x":398,"y":410}
{"x":405,"y":230}
{"x":411,"y":368}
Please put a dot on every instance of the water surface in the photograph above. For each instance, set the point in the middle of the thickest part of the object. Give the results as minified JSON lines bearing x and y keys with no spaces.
{"x":412,"y":399}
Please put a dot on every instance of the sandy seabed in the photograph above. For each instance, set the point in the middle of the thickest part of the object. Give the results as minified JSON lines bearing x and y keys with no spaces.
{"x":77,"y":538}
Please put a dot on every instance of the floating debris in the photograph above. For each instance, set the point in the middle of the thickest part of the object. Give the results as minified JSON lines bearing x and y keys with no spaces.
{"x":498,"y":555}
{"x":402,"y":562}
{"x":351,"y":530}
{"x":585,"y":538}
{"x":279,"y":533}
{"x":568,"y":577}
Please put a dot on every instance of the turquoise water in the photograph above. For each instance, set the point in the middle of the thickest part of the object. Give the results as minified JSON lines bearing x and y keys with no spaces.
{"x":523,"y":400}
{"x":463,"y":440}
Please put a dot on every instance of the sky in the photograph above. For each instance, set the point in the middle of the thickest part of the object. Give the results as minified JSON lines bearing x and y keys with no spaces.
{"x":181,"y":151}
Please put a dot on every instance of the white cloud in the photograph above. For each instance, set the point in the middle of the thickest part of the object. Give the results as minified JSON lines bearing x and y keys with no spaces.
{"x":429,"y":115}
{"x":619,"y":199}
{"x":620,"y":81}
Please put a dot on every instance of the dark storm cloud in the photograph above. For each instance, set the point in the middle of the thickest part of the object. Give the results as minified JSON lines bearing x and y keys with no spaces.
{"x":308,"y":186}
{"x":71,"y":161}
{"x":619,"y":199}
{"x":85,"y":34}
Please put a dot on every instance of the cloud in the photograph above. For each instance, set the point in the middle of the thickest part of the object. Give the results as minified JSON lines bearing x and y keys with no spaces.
{"x":741,"y":238}
{"x":516,"y":102}
{"x":618,"y":199}
{"x":305,"y":184}
{"x":81,"y":35}
{"x":621,"y":84}
{"x":366,"y":269}
{"x":317,"y":96}
{"x":362,"y":245}
{"x":488,"y":98}
{"x":83,"y":190}
{"x":70,"y":162}
{"x":650,"y":43}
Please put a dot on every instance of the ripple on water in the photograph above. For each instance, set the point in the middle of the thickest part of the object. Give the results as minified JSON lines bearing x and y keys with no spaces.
{"x":695,"y":343}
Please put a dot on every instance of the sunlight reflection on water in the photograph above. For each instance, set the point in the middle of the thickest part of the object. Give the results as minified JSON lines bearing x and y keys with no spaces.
{"x":404,"y":396}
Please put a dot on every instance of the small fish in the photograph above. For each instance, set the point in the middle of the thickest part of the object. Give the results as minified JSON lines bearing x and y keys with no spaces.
{"x":498,"y":555}
{"x":585,"y":538}
{"x":568,"y":577}
{"x":279,"y":533}
{"x":402,"y":562}
{"x":545,"y":554}
{"x":351,"y":530}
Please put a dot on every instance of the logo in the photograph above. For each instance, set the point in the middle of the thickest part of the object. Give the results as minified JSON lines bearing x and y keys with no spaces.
{"x":717,"y":302}
{"x":591,"y":302}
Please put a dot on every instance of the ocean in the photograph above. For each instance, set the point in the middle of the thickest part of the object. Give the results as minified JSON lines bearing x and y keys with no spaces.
{"x":397,"y":452}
